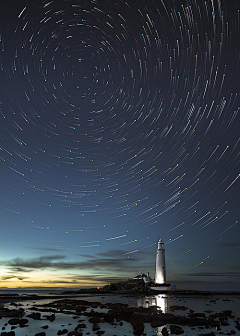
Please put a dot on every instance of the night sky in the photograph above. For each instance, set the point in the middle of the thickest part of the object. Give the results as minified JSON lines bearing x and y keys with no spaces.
{"x":119,"y":125}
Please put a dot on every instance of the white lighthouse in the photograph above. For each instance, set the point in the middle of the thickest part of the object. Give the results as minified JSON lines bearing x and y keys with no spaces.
{"x":160,"y":277}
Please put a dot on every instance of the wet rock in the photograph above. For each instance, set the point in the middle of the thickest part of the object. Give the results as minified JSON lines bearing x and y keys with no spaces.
{"x":193,"y":315}
{"x":138,"y":326}
{"x":75,"y":333}
{"x":45,"y":327}
{"x":109,"y":317}
{"x":237,"y":326}
{"x":13,"y":321}
{"x":51,"y":318}
{"x":17,"y":321}
{"x":227,"y":312}
{"x":216,"y":325}
{"x":95,"y":327}
{"x":95,"y":319}
{"x":224,"y":323}
{"x":5,"y":312}
{"x":23,"y":322}
{"x":81,"y":326}
{"x":62,"y":332}
{"x":35,"y":316}
{"x":164,"y":332}
{"x":177,"y":330}
{"x":210,"y":318}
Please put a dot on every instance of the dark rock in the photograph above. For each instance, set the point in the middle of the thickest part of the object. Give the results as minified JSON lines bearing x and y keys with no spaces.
{"x":109,"y":317}
{"x":75,"y":333}
{"x":224,"y":323}
{"x":62,"y":332}
{"x":23,"y":322}
{"x":51,"y":318}
{"x":233,"y":332}
{"x":216,"y":325}
{"x":81,"y":325}
{"x":100,"y":332}
{"x":95,"y":319}
{"x":227,"y":312}
{"x":35,"y":316}
{"x":5,"y":312}
{"x":95,"y":327}
{"x":45,"y":327}
{"x":138,"y":326}
{"x":10,"y":333}
{"x":193,"y":315}
{"x":40,"y":334}
{"x":164,"y":332}
{"x":176,"y":330}
{"x":23,"y":325}
{"x":17,"y":321}
{"x":237,"y":326}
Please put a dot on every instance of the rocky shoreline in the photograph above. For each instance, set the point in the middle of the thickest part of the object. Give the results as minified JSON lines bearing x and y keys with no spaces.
{"x":99,"y":314}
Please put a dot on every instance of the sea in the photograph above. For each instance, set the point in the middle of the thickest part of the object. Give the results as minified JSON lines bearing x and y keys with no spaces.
{"x":207,"y":304}
{"x":31,"y":291}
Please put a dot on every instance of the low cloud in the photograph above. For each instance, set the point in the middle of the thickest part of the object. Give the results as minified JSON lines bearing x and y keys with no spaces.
{"x":112,"y":261}
{"x":45,"y":249}
{"x":10,"y":277}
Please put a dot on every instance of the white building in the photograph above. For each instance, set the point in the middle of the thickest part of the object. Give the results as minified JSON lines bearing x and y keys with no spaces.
{"x":160,"y":277}
{"x":144,"y":277}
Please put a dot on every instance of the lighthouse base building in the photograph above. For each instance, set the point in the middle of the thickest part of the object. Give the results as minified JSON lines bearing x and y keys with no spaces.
{"x":160,"y":278}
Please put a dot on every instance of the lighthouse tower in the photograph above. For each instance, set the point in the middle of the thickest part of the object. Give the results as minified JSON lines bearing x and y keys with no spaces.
{"x":160,"y":278}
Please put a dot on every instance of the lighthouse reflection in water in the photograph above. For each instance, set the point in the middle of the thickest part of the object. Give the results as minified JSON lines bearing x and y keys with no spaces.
{"x":160,"y":301}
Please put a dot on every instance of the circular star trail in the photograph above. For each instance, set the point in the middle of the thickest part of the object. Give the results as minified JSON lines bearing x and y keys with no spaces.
{"x":119,"y":125}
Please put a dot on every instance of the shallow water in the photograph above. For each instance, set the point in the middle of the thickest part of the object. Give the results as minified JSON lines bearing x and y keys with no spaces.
{"x":164,"y":302}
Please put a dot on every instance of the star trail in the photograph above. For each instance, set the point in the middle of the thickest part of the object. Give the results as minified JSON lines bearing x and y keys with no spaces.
{"x":119,"y":125}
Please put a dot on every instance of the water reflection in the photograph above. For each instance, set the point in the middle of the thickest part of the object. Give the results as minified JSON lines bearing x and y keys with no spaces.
{"x":160,"y":301}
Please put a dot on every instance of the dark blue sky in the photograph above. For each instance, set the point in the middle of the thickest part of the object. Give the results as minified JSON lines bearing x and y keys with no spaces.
{"x":119,"y":125}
